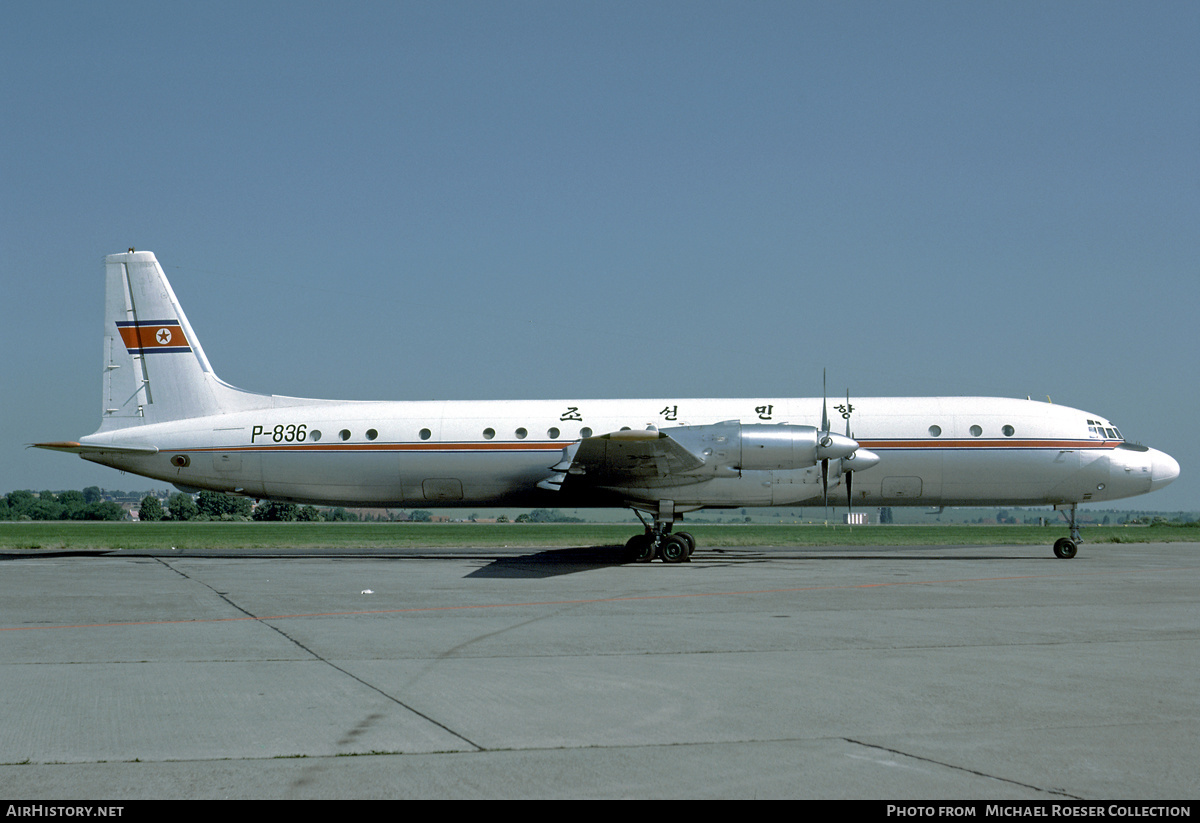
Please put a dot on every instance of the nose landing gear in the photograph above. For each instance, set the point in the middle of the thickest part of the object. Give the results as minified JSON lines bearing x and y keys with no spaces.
{"x":1067,"y":547}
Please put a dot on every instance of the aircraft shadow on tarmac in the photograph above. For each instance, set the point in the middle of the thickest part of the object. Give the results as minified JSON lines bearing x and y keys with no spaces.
{"x":42,"y":554}
{"x":556,"y":562}
{"x":571,"y":560}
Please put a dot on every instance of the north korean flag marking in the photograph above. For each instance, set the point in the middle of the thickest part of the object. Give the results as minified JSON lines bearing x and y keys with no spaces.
{"x":153,"y":336}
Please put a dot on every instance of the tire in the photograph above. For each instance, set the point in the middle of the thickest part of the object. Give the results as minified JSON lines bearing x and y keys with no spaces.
{"x":1065,"y":548}
{"x":674,"y":549}
{"x":640,"y":548}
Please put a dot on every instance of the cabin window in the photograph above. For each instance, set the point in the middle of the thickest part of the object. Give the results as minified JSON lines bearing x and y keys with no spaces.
{"x":553,"y":432}
{"x":935,"y":431}
{"x":522,"y":433}
{"x":372,"y":434}
{"x":489,"y":433}
{"x":976,"y":431}
{"x":1009,"y":431}
{"x":314,"y":435}
{"x":585,"y":432}
{"x":426,"y":434}
{"x":344,"y":434}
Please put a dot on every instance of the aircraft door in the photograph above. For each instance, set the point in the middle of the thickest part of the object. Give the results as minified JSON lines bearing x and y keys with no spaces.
{"x":442,"y":488}
{"x":901,"y":488}
{"x":1070,"y":488}
{"x":240,"y":472}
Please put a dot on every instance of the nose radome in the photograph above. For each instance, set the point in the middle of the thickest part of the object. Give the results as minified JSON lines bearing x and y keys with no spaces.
{"x":1163,"y":469}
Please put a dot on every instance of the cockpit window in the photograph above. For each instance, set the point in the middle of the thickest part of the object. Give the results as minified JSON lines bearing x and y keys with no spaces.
{"x":1100,"y":429}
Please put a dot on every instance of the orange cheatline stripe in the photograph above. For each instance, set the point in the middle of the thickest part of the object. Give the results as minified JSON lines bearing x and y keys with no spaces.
{"x":553,"y":445}
{"x":989,"y":444}
{"x":459,"y":446}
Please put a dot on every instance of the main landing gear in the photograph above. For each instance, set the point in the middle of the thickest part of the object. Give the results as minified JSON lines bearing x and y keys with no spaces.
{"x":1067,"y":547}
{"x":658,"y":541}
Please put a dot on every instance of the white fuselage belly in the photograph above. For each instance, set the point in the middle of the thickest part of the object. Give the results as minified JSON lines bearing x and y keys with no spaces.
{"x":986,"y":451}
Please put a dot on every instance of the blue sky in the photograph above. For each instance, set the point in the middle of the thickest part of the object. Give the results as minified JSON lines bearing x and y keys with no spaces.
{"x":395,"y":200}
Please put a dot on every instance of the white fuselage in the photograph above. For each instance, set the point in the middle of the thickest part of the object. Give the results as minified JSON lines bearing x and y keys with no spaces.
{"x":165,"y":414}
{"x":933,"y":451}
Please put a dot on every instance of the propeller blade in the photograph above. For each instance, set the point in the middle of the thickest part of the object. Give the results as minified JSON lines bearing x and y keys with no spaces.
{"x":848,"y":469}
{"x":824,"y":405}
{"x":824,"y":461}
{"x":849,"y":474}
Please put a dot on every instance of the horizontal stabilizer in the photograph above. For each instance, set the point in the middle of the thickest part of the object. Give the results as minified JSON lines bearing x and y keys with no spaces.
{"x":80,"y":448}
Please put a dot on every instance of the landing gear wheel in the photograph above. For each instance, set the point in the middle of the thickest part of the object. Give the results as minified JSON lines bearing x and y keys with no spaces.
{"x":1065,"y":548}
{"x":686,"y":537}
{"x":674,"y":549}
{"x":641,"y":548}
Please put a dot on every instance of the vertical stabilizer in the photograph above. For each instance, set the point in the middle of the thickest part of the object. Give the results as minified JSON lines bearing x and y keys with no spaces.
{"x":154,"y":367}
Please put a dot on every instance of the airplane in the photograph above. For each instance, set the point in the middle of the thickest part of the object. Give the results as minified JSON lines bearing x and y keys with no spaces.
{"x":166,"y":415}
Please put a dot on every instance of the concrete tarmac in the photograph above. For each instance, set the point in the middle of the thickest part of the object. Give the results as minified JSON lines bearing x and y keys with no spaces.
{"x":880,"y":672}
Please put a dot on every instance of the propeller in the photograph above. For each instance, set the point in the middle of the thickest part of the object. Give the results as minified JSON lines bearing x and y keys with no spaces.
{"x":850,"y":473}
{"x":860,"y":460}
{"x":824,"y":461}
{"x":857,"y":460}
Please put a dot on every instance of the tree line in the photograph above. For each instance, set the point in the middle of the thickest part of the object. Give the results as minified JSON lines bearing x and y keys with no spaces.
{"x":72,"y":504}
{"x":208,"y":505}
{"x":90,"y":504}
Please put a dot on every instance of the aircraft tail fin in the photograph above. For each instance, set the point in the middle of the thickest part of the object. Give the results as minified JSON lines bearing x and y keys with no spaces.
{"x":154,"y":367}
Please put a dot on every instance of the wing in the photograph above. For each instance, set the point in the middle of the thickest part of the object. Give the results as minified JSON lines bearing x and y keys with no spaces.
{"x":624,"y":459}
{"x":685,"y":455}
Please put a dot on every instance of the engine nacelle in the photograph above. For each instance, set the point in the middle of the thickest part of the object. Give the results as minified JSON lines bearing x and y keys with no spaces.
{"x":768,"y":447}
{"x":760,"y":446}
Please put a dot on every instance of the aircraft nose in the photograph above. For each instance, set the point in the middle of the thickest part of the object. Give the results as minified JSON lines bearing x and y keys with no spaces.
{"x":1163,"y":469}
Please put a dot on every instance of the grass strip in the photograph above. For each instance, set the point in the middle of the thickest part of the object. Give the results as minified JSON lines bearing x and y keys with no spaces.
{"x":24,"y":536}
